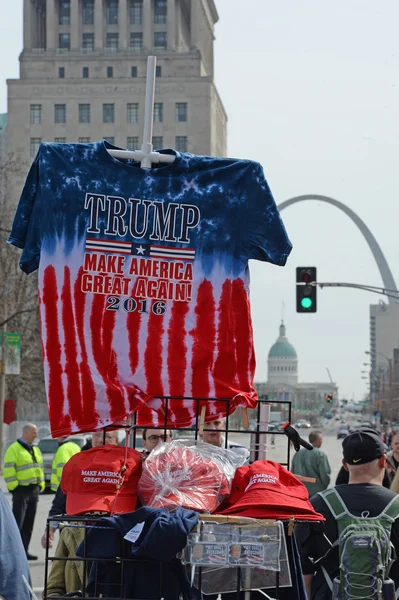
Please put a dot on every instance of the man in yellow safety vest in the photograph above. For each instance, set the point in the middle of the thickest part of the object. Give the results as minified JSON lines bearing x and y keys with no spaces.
{"x":24,"y":476}
{"x":66,"y":449}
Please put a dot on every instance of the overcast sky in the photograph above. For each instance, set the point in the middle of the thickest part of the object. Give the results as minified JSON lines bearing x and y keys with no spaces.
{"x":311,"y":89}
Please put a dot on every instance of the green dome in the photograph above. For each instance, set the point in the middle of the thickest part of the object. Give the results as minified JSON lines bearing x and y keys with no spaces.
{"x":282,"y":348}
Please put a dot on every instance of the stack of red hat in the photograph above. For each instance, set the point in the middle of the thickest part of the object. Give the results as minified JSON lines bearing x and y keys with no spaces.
{"x":180,"y":476}
{"x":102,"y":479}
{"x":266,"y":490}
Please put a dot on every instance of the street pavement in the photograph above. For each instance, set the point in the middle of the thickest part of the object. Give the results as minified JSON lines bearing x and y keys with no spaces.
{"x":331,"y":446}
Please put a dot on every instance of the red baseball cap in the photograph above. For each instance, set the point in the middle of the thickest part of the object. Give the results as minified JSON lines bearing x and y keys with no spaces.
{"x":179,"y":476}
{"x":94,"y":481}
{"x":267,"y":490}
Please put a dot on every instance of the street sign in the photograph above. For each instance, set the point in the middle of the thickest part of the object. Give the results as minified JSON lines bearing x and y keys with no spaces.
{"x":13,"y":353}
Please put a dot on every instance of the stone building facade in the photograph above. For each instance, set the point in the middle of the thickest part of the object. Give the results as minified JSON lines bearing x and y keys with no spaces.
{"x":83,"y":68}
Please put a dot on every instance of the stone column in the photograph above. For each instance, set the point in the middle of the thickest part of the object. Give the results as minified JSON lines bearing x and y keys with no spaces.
{"x":194,"y":24}
{"x":51,"y":25}
{"x":148,"y":27}
{"x":171,"y":21}
{"x":75,"y":26}
{"x":99,"y":24}
{"x":123,"y":24}
{"x":28,"y":20}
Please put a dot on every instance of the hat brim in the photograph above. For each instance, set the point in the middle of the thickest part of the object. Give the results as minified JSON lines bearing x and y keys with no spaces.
{"x":79,"y":503}
{"x":265,"y":498}
{"x":259,"y":512}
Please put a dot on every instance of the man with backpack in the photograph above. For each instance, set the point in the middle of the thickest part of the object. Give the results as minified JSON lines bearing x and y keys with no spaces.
{"x":350,"y":555}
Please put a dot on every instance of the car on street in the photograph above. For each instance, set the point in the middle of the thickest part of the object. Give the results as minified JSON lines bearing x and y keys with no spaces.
{"x":302,"y":424}
{"x":48,"y":447}
{"x":329,"y":415}
{"x":343,"y":431}
{"x":367,"y":424}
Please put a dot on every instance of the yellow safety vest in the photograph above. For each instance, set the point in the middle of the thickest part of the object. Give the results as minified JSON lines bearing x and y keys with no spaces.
{"x":21,"y":469}
{"x":64,"y":453}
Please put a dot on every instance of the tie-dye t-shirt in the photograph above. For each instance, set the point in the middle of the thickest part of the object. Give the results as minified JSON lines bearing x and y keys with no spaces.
{"x":144,"y":282}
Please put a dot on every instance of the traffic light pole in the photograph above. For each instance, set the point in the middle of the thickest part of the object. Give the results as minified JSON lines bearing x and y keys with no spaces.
{"x":357,"y":286}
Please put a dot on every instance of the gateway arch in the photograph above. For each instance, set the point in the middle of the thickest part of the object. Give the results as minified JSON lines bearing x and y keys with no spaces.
{"x":385,"y":271}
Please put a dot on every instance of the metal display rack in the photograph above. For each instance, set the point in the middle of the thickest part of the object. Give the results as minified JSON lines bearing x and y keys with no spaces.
{"x":93,"y":569}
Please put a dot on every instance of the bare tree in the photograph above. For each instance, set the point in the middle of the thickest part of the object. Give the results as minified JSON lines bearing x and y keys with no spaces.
{"x":19,"y":303}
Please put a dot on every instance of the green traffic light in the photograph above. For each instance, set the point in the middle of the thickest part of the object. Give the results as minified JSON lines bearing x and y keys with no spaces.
{"x":306,"y":302}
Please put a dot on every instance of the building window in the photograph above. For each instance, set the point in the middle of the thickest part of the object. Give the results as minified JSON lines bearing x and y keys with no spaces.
{"x":136,"y":41}
{"x":88,"y":12}
{"x":157,"y":142}
{"x":134,"y":71}
{"x":85,"y":72}
{"x":34,"y":146}
{"x":64,"y":12}
{"x":158,"y":112}
{"x":158,"y":71}
{"x":64,"y":41}
{"x":160,"y":11}
{"x":160,"y":40}
{"x":84,"y":140}
{"x":181,"y":143}
{"x":84,"y":113}
{"x":110,"y":72}
{"x":112,"y":12}
{"x":181,"y":112}
{"x":133,"y":143}
{"x":133,"y":112}
{"x":61,"y":72}
{"x":136,"y":12}
{"x":60,"y":140}
{"x":59,"y":113}
{"x":108,"y":113}
{"x":88,"y":42}
{"x":112,"y":42}
{"x":35,"y":114}
{"x":110,"y":140}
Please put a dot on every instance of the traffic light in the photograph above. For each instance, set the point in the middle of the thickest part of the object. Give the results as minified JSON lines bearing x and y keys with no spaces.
{"x":306,"y":293}
{"x":329,"y":398}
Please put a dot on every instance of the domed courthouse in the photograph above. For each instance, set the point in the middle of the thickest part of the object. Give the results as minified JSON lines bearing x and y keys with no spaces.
{"x":282,"y":379}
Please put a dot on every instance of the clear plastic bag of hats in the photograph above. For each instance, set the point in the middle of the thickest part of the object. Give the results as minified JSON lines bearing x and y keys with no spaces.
{"x":220,"y":548}
{"x":196,"y":477}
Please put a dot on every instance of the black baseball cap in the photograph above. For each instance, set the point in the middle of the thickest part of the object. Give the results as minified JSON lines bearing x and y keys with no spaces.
{"x":363,"y":446}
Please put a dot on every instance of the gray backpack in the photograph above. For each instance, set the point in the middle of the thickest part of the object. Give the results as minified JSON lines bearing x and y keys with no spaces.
{"x":365,"y":551}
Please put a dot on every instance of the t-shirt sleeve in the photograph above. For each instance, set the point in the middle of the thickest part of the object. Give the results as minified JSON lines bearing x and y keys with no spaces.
{"x":263,"y":233}
{"x":25,"y":233}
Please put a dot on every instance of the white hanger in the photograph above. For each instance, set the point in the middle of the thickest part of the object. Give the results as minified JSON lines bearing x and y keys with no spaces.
{"x":146,"y":156}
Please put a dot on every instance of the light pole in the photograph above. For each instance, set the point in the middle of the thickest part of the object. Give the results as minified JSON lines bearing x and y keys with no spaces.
{"x":3,"y":326}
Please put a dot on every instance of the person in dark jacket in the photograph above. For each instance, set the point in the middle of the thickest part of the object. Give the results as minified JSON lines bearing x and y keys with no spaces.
{"x":343,"y":477}
{"x":88,"y":445}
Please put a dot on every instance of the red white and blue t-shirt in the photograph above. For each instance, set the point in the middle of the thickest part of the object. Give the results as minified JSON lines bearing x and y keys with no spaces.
{"x":144,"y":282}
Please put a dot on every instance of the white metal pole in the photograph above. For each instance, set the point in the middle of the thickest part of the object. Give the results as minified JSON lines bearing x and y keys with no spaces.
{"x":149,"y":112}
{"x":264,"y":421}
